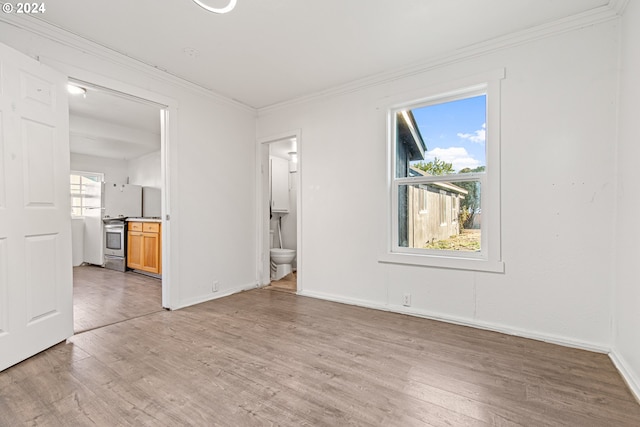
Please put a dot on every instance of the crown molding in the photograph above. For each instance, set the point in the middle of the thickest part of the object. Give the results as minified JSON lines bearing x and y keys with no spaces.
{"x":611,"y":11}
{"x":619,"y":6}
{"x":63,"y":37}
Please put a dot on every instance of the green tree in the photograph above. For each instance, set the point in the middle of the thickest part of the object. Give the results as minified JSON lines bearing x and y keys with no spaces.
{"x":470,"y":205}
{"x":435,"y":167}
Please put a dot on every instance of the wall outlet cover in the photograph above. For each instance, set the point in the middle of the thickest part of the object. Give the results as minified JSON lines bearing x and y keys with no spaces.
{"x":406,"y":300}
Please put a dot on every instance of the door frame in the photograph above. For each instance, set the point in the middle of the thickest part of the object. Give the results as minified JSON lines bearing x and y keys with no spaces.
{"x":168,"y":133}
{"x":263,"y":264}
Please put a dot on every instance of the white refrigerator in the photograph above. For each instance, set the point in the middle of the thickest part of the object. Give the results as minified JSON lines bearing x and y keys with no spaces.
{"x":121,"y":201}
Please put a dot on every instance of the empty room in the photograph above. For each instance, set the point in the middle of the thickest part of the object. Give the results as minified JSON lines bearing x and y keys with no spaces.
{"x":363,"y":212}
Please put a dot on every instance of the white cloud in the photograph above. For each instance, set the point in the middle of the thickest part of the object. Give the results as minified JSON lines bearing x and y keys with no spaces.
{"x":478,"y":136}
{"x":457,"y":156}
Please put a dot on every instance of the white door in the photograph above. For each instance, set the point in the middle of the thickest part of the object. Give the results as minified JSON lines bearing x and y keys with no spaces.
{"x":36,"y":285}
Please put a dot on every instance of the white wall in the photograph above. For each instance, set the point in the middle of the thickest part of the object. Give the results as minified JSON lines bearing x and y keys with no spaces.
{"x":212,"y":205}
{"x":558,"y":134}
{"x":626,"y":337}
{"x":114,"y":170}
{"x":146,"y":170}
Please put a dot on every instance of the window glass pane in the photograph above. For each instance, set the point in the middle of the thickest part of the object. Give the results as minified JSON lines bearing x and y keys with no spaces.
{"x":85,"y":190}
{"x":451,"y":220}
{"x":454,"y":133}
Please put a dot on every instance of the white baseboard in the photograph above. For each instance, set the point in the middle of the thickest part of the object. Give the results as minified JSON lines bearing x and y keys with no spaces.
{"x":215,"y":295}
{"x":553,"y":339}
{"x":633,"y":382}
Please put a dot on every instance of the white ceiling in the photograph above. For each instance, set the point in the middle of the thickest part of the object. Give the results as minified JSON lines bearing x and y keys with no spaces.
{"x":266,"y":52}
{"x":108,"y":124}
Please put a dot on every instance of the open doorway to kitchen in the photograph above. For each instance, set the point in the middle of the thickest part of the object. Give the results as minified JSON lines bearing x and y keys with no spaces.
{"x":280,"y":213}
{"x":117,"y":186}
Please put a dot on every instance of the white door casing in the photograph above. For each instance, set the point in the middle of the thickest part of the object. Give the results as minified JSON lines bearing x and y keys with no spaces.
{"x":36,"y":285}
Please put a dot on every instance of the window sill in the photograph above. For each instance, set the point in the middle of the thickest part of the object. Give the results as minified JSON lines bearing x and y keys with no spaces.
{"x":455,"y":263}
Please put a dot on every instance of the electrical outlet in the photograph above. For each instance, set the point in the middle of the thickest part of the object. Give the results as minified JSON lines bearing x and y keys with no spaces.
{"x":406,"y":300}
{"x":216,"y":286}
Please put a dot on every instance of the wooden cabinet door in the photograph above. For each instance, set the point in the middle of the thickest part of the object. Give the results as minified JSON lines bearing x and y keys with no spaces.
{"x":135,"y":247}
{"x":151,"y":252}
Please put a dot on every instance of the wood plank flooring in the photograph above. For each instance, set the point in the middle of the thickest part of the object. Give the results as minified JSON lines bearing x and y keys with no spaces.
{"x":102,"y":296}
{"x":265,"y":357}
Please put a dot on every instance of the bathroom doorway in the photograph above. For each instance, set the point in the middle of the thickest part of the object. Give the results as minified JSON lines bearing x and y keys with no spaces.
{"x":280,"y":213}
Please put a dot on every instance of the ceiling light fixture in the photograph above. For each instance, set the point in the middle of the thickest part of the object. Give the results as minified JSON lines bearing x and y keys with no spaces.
{"x":227,"y":8}
{"x":76,"y":90}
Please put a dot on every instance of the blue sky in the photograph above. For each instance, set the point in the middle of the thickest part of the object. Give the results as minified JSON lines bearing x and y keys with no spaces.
{"x":454,"y":131}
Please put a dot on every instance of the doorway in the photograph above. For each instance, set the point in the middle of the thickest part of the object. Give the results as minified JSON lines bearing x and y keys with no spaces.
{"x":279,"y":221}
{"x":120,"y":138}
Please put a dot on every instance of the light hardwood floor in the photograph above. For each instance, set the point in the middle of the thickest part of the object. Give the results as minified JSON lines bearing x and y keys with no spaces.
{"x":273,"y":358}
{"x":102,"y":296}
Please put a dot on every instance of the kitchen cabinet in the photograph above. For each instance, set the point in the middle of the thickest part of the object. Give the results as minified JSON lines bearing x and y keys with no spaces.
{"x":279,"y":185}
{"x":144,"y":247}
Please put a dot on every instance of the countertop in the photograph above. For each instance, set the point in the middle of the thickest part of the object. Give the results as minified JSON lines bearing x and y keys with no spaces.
{"x":144,"y":220}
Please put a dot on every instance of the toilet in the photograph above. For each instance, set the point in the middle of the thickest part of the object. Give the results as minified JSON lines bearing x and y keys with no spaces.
{"x":281,"y":260}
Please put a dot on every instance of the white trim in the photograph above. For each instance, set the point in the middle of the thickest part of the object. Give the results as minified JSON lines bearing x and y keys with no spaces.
{"x":42,"y":28}
{"x":490,"y":257}
{"x":168,"y":108}
{"x":212,"y":296}
{"x":262,"y":223}
{"x":443,"y":261}
{"x":550,"y":338}
{"x":613,"y":10}
{"x":632,"y":381}
{"x":591,"y":17}
{"x":601,"y":14}
{"x":619,"y":6}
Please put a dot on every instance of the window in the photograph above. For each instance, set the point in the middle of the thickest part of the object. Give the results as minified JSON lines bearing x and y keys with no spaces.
{"x":85,"y":193}
{"x":445,"y":180}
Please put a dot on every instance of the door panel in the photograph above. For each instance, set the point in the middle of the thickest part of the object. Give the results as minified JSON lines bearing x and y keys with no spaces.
{"x":39,"y":170}
{"x":36,"y":286}
{"x":41,"y":278}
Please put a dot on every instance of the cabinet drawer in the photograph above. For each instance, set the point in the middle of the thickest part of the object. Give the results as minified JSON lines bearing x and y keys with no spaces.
{"x":151,"y":227}
{"x":135,"y":226}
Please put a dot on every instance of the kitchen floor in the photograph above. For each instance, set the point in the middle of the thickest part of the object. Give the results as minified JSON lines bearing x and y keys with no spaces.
{"x":103,"y":297}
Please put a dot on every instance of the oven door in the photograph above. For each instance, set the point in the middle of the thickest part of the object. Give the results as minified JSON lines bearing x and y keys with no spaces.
{"x":114,"y":238}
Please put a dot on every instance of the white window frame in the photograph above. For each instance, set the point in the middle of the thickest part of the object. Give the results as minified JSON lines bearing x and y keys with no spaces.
{"x":490,"y":257}
{"x":81,"y":194}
